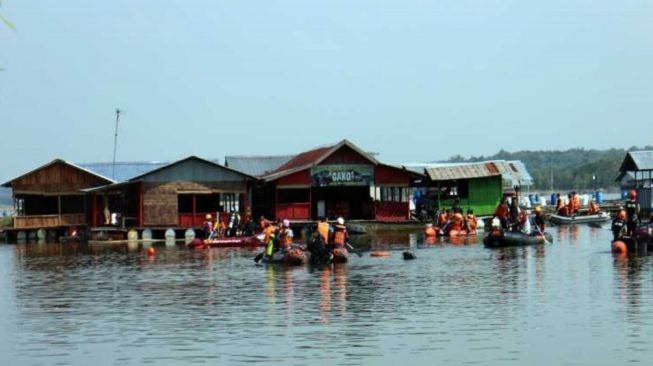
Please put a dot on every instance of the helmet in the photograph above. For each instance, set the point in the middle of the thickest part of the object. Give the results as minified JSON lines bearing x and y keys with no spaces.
{"x":632,"y":194}
{"x":209,"y":217}
{"x":286,"y":223}
{"x":341,"y":221}
{"x":622,"y":215}
{"x":538,"y":209}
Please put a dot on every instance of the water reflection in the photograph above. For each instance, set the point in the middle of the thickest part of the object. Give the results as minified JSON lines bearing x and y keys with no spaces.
{"x":458,"y":303}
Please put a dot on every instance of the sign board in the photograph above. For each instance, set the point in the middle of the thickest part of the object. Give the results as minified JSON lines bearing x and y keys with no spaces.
{"x":342,"y":175}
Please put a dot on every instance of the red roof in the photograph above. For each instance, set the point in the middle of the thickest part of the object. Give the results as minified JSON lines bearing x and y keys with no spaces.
{"x":305,"y":158}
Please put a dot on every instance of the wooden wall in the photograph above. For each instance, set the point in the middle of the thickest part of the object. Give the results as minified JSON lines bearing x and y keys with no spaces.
{"x":56,"y":178}
{"x":160,"y":205}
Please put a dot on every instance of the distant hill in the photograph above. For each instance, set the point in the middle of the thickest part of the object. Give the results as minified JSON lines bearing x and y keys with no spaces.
{"x":566,"y":170}
{"x":5,"y":197}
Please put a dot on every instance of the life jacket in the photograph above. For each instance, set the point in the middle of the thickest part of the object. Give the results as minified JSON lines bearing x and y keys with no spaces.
{"x":560,"y":204}
{"x":442,"y":220}
{"x":456,"y":222}
{"x":340,"y":235}
{"x":502,"y":211}
{"x":472,"y":223}
{"x":323,"y":230}
{"x":594,"y":208}
{"x":575,"y":203}
{"x":269,"y":233}
{"x":632,"y":209}
{"x":285,"y":238}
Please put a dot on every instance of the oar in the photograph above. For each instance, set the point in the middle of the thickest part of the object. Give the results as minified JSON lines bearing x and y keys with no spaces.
{"x":259,"y":256}
{"x":357,"y":252}
{"x":541,"y":233}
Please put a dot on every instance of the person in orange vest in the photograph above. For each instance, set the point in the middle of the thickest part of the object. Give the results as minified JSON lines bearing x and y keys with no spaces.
{"x":457,"y":220}
{"x":619,"y":225}
{"x":340,"y":234}
{"x":270,"y":238}
{"x":471,"y":222}
{"x":285,"y":235}
{"x":324,"y":229}
{"x":560,"y":206}
{"x":502,"y":213}
{"x":575,"y":203}
{"x":208,"y":227}
{"x":594,"y":208}
{"x":443,"y":219}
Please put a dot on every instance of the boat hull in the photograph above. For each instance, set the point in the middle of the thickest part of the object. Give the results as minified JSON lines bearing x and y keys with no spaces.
{"x":513,"y":238}
{"x":248,"y":241}
{"x":579,"y":219}
{"x":292,"y":257}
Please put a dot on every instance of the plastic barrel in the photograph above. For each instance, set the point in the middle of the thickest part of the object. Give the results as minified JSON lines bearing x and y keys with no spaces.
{"x":599,"y":197}
{"x":531,"y":199}
{"x":554,"y":199}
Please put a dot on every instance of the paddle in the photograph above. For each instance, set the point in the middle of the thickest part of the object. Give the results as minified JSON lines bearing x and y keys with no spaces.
{"x":356,"y":251}
{"x":541,"y":233}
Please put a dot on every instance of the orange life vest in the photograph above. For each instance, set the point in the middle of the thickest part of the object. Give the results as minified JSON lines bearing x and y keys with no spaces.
{"x":472,"y":223}
{"x":456,"y":222}
{"x":340,"y":235}
{"x":576,"y":203}
{"x":323,"y":229}
{"x":502,"y":211}
{"x":594,"y":208}
{"x":269,"y":233}
{"x":442,"y":219}
{"x":285,"y":240}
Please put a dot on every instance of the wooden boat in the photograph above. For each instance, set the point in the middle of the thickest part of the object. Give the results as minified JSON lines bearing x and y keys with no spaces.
{"x":243,"y":241}
{"x":579,"y":219}
{"x":497,"y":238}
{"x":291,"y":257}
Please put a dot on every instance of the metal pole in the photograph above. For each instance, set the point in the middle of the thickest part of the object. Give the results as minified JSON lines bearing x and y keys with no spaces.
{"x":115,"y":145}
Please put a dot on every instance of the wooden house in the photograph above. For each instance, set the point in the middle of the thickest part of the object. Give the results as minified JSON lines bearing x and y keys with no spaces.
{"x":179,"y":195}
{"x":49,"y":196}
{"x":640,"y":165}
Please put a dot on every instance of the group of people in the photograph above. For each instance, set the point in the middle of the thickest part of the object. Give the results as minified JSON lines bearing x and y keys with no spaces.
{"x":450,"y":220}
{"x":216,"y":227}
{"x":508,"y":216}
{"x":572,"y":206}
{"x":325,"y":238}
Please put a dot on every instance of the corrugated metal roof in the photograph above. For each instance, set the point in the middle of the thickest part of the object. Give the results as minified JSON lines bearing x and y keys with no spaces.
{"x":636,"y":161}
{"x":462,"y":171}
{"x":61,"y":161}
{"x":124,"y":170}
{"x":256,"y":165}
{"x":515,"y":172}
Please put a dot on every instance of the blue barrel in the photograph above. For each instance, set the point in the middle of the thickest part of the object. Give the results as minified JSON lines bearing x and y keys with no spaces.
{"x":536,"y":199}
{"x":599,"y":197}
{"x":554,"y":199}
{"x":624,"y":194}
{"x":531,"y":199}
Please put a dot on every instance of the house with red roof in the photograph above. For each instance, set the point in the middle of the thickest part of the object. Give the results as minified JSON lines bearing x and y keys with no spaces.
{"x":333,"y":181}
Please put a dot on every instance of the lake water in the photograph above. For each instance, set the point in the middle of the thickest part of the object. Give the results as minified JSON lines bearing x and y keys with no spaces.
{"x":569,"y":303}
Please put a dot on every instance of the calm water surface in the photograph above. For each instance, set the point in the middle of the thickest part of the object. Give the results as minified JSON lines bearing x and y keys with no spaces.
{"x":569,"y":303}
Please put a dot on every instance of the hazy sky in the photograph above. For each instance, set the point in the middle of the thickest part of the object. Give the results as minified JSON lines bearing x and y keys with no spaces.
{"x":413,"y":80}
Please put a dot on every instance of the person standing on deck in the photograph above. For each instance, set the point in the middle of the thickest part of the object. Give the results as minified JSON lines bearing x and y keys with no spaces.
{"x":340,"y":234}
{"x":632,"y":213}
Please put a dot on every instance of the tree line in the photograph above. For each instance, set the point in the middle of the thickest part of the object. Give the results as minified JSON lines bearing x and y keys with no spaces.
{"x":573,"y":169}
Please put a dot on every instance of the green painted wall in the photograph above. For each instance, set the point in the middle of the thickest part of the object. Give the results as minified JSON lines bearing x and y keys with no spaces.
{"x":484,"y":196}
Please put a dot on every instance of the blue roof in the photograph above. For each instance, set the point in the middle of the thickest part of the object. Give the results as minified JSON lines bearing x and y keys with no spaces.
{"x":256,"y":165}
{"x":124,"y":170}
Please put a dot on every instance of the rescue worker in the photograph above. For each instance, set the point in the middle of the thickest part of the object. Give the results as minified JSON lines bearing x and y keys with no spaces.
{"x":619,"y":225}
{"x":457,"y":220}
{"x":560,"y":206}
{"x":340,"y":234}
{"x":270,"y":231}
{"x":632,"y":213}
{"x":471,"y":223}
{"x":538,"y":220}
{"x":443,"y":219}
{"x":234,"y":221}
{"x":502,"y":213}
{"x":594,"y":208}
{"x":324,"y":229}
{"x":575,"y":203}
{"x":525,"y":222}
{"x":285,"y":236}
{"x":208,"y":226}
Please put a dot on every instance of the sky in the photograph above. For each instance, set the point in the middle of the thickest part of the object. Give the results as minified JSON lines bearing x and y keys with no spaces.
{"x":413,"y":80}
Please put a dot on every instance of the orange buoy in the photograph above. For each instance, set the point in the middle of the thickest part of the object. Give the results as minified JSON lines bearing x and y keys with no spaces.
{"x":151,"y":251}
{"x":380,"y":254}
{"x":619,"y":247}
{"x":430,"y":232}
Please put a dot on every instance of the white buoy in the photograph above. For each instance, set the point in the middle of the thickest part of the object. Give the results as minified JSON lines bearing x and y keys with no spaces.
{"x":146,"y":234}
{"x":40,"y":234}
{"x":170,"y":237}
{"x":189,"y":235}
{"x":132,"y":235}
{"x":21,"y":236}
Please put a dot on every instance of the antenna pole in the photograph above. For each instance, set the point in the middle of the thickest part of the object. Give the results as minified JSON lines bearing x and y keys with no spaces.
{"x":115,"y":145}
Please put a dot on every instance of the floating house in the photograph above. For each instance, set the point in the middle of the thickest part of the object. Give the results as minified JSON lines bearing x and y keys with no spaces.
{"x":332,"y":181}
{"x":50,"y":197}
{"x":179,"y":194}
{"x":640,"y":165}
{"x":477,"y":186}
